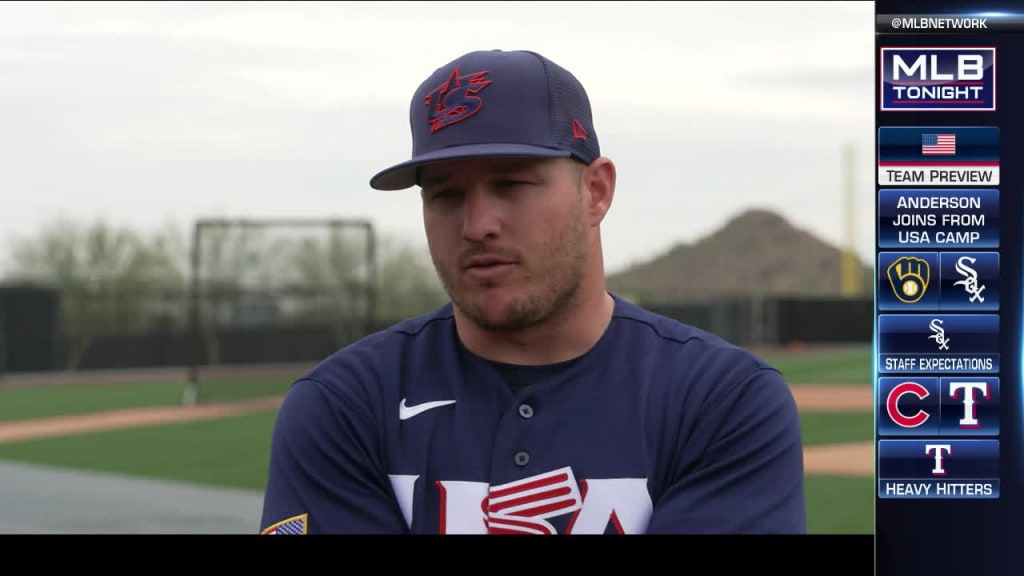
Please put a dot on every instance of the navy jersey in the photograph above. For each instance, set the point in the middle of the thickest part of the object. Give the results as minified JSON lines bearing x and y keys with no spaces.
{"x":659,"y":428}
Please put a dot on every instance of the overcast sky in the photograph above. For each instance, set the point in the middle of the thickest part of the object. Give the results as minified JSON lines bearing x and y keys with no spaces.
{"x":151,"y":113}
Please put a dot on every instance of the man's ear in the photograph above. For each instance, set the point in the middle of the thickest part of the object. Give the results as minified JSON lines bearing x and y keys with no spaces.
{"x":598,"y":182}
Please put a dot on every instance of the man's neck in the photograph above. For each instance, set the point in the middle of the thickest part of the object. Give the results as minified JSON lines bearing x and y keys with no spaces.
{"x":572,"y":332}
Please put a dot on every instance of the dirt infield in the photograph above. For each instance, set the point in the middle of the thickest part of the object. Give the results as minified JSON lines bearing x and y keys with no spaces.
{"x":833,"y":398}
{"x":130,"y":418}
{"x":842,"y":459}
{"x":849,"y":459}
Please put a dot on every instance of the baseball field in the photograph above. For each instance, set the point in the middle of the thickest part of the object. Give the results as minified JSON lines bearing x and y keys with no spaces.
{"x":102,"y":429}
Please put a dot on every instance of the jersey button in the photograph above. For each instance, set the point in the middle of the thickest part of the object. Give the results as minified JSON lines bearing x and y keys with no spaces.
{"x":526,"y":411}
{"x":522,"y":458}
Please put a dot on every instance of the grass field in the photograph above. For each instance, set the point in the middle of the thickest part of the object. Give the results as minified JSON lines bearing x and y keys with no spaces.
{"x":232,"y":452}
{"x":852,"y":365}
{"x":229,"y":452}
{"x":835,"y":504}
{"x":45,"y":401}
{"x":840,"y":505}
{"x":836,"y":427}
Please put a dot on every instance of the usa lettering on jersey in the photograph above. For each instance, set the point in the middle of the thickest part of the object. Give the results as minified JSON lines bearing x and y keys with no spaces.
{"x":524,"y":506}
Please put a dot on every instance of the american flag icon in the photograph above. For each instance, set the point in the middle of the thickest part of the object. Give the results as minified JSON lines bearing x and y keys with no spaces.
{"x":292,"y":526}
{"x":938,"y":144}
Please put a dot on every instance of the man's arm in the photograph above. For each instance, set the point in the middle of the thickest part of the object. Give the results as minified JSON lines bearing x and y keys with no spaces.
{"x":741,"y":468}
{"x":326,"y":463}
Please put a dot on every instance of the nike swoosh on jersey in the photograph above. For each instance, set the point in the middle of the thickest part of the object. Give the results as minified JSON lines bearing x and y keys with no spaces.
{"x":406,"y":412}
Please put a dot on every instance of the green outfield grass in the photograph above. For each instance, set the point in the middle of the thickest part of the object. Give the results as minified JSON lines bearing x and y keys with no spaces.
{"x":228,"y":452}
{"x":232,"y":452}
{"x":229,"y":389}
{"x":851,"y":365}
{"x":836,"y":427}
{"x":46,"y":401}
{"x":840,"y":504}
{"x":208,"y":451}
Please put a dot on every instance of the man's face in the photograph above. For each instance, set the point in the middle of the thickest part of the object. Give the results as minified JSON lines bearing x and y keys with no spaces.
{"x":507,"y":236}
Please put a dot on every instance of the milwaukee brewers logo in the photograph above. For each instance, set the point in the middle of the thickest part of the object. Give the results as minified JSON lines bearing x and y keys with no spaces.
{"x":908,"y":277}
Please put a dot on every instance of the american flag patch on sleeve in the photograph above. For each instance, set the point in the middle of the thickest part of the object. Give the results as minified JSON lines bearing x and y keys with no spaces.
{"x":290,"y":526}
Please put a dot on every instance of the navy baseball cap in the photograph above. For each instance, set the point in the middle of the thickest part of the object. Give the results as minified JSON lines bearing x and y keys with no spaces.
{"x":495,"y":103}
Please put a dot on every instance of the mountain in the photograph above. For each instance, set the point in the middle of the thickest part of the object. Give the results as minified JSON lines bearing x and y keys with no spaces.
{"x":756,"y":252}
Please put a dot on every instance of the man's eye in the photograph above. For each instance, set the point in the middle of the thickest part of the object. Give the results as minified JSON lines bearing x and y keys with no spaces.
{"x":443,"y":194}
{"x":512,"y":183}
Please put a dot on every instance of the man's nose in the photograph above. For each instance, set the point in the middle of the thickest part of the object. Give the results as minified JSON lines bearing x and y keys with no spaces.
{"x":481,"y":217}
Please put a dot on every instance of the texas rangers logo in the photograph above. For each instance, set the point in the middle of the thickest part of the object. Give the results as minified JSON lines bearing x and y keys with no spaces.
{"x":456,"y":99}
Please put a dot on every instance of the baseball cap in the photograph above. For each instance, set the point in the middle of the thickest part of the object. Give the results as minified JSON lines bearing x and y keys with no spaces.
{"x":495,"y":103}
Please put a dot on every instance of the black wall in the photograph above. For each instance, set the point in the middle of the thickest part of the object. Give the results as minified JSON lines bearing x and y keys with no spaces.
{"x":771,"y":321}
{"x":33,"y":342}
{"x":29,"y":328}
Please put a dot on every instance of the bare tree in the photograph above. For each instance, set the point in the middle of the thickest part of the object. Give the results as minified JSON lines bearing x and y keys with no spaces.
{"x":331,"y":276}
{"x":335,"y":277}
{"x":107,"y":276}
{"x":407,"y":282}
{"x":114,"y":280}
{"x":232,"y":259}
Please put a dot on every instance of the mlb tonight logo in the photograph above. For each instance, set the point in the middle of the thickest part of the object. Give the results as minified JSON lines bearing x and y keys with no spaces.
{"x":930,"y":79}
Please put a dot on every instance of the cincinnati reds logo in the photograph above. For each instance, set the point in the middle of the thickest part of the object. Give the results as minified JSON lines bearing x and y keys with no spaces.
{"x":456,"y":99}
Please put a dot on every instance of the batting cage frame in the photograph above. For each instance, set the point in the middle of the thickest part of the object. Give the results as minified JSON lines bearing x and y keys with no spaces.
{"x":365,"y":290}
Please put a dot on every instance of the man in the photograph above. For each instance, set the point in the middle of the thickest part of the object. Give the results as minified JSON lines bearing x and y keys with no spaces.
{"x":536,"y":402}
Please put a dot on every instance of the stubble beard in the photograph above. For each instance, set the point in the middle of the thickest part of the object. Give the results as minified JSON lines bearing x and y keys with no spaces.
{"x":564,"y":267}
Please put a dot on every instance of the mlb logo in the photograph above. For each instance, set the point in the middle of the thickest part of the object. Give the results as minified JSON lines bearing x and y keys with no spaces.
{"x":934,"y":79}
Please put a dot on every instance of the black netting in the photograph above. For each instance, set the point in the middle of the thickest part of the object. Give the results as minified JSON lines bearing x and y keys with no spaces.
{"x":569,"y":103}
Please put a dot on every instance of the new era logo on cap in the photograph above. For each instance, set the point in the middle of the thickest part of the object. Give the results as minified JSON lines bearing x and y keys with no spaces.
{"x":495,"y":103}
{"x":578,"y":131}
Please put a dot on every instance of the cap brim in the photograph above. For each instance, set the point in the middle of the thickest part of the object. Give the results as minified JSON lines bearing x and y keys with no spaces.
{"x":402,"y":176}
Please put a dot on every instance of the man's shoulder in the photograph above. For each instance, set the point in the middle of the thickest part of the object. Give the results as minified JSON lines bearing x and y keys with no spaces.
{"x":685,"y":340}
{"x":383,"y":346}
{"x":364,"y":377}
{"x":712,"y":370}
{"x":440,"y":318}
